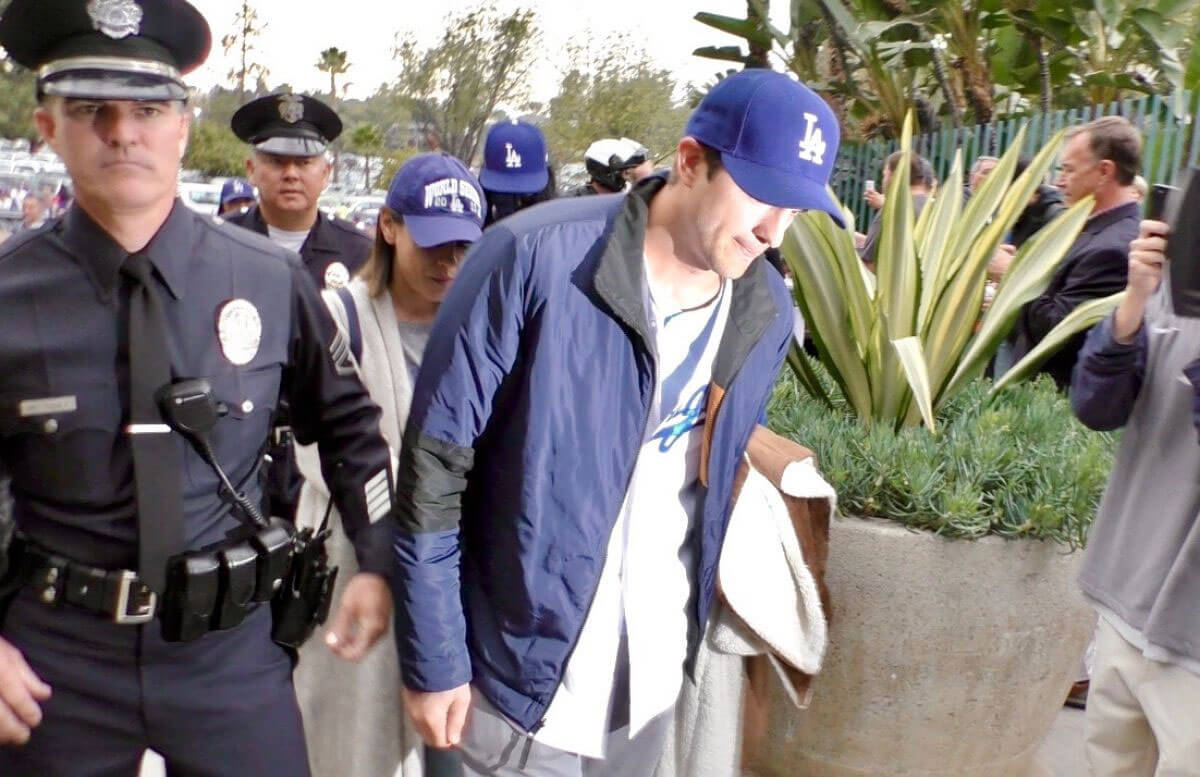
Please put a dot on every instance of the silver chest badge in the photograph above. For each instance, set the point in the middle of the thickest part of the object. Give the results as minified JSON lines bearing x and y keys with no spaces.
{"x":336,"y":275}
{"x":291,"y":108}
{"x":239,"y":329}
{"x":115,"y":18}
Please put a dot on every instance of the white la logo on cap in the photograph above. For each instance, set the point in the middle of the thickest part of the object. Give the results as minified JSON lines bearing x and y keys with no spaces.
{"x":812,"y":148}
{"x":239,"y":330}
{"x":115,"y":18}
{"x":511,"y":157}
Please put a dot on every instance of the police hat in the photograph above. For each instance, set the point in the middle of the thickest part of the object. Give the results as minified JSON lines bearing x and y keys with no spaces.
{"x":287,"y":124}
{"x":107,"y":49}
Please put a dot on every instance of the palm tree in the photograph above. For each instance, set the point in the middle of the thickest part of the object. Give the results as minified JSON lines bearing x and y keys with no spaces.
{"x":333,"y":61}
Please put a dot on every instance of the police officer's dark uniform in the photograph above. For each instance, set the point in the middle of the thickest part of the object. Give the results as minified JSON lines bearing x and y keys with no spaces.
{"x":235,"y":309}
{"x":299,"y":125}
{"x":333,"y":252}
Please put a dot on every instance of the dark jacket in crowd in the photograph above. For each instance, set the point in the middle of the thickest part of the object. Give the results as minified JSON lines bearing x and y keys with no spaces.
{"x":1096,"y":266}
{"x":329,"y":241}
{"x":1037,"y":214}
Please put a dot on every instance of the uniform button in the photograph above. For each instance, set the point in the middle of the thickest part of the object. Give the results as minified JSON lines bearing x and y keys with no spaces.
{"x":51,"y":426}
{"x":247,"y":406}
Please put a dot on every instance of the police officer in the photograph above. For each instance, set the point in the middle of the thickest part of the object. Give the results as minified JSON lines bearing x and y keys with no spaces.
{"x":120,"y":513}
{"x":289,"y":135}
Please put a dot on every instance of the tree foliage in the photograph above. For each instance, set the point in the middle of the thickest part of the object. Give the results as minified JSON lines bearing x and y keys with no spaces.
{"x":17,"y":101}
{"x":617,"y":92}
{"x":335,"y":62}
{"x":970,"y":60}
{"x":240,"y":44}
{"x":482,"y":60}
{"x":213,"y":149}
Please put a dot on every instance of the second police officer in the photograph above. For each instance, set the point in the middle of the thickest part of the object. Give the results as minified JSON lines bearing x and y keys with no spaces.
{"x":289,"y":135}
{"x":144,"y":349}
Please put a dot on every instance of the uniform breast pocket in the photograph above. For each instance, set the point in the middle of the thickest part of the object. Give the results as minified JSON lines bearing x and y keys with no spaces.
{"x":250,"y":396}
{"x":61,"y":446}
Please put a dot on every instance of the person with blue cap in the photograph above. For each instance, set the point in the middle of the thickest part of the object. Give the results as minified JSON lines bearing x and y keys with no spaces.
{"x":516,"y":169}
{"x":433,"y":212}
{"x":236,"y":195}
{"x":146,"y":603}
{"x":567,"y":469}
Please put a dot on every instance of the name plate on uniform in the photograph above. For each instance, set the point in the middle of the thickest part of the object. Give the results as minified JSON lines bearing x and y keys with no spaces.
{"x":49,"y":406}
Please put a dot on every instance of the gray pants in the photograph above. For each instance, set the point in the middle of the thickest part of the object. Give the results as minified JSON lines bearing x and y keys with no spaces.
{"x":492,"y":747}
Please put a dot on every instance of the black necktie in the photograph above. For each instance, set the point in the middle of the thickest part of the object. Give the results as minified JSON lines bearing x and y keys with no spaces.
{"x":157,"y":465}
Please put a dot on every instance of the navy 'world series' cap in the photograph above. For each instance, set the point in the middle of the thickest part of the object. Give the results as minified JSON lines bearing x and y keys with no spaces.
{"x":440,"y":200}
{"x":778,"y":139}
{"x":514,"y":159}
{"x":107,"y":49}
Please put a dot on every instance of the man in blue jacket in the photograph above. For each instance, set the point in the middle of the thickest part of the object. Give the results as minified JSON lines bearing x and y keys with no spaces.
{"x":587,"y":392}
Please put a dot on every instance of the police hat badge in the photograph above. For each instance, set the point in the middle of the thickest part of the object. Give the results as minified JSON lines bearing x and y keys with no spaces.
{"x":239,"y":330}
{"x":115,"y":18}
{"x":291,"y":108}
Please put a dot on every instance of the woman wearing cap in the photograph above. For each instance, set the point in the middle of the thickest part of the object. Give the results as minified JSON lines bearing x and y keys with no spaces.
{"x":434,"y":210}
{"x":515,"y":172}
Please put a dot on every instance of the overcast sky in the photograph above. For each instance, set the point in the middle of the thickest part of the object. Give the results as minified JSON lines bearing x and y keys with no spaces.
{"x":297,"y":30}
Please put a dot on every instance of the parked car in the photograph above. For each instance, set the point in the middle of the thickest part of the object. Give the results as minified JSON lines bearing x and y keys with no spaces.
{"x":201,"y":197}
{"x":365,"y":213}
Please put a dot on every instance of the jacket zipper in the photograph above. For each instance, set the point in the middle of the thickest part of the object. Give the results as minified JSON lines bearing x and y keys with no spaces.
{"x":604,"y":554}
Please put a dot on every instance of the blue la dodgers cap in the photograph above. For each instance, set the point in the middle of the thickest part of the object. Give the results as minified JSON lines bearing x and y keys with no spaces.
{"x":514,"y":159}
{"x":778,"y":139}
{"x":440,"y":200}
{"x":236,"y":189}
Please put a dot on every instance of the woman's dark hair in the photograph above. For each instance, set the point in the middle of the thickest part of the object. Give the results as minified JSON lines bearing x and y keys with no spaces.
{"x":377,"y":272}
{"x":501,"y":205}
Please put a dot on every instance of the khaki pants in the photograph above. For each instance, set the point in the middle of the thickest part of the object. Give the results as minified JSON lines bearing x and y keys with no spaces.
{"x":1143,"y":717}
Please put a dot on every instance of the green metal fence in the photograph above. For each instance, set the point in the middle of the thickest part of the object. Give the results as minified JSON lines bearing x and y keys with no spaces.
{"x":1170,"y":132}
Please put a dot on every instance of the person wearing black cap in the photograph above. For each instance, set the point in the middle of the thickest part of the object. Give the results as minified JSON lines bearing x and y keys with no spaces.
{"x":289,"y":135}
{"x":144,"y":348}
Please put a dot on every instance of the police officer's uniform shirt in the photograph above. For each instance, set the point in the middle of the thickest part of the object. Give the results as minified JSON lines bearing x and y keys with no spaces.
{"x":333,"y":252}
{"x":648,"y":568}
{"x":240,"y":312}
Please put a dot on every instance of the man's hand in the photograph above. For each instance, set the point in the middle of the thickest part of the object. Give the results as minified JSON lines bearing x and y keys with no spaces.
{"x":1146,"y":256}
{"x":439,"y":716}
{"x":1001,"y":261}
{"x":361,"y":618}
{"x":875,"y":199}
{"x":20,"y":692}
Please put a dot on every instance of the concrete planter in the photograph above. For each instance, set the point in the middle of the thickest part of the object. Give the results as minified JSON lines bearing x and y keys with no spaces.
{"x":946,"y":658}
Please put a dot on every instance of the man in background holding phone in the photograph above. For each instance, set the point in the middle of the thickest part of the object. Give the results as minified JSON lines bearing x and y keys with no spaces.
{"x":1139,"y":370}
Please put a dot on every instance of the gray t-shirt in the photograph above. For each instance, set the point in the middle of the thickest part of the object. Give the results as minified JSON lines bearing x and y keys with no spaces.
{"x":414,"y":337}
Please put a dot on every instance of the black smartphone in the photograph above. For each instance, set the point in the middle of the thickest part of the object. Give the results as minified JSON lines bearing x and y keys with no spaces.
{"x":1156,"y":201}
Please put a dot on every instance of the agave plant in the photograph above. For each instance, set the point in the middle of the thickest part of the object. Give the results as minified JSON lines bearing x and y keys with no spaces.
{"x":901,"y":342}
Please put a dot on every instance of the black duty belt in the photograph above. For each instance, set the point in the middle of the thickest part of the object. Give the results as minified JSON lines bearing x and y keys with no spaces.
{"x":119,"y":595}
{"x":207,"y":590}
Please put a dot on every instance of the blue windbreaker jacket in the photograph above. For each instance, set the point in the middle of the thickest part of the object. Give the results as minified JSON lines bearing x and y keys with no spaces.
{"x":525,"y":426}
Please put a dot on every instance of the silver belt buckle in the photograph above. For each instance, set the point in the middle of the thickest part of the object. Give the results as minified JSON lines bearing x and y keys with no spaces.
{"x":134,"y":605}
